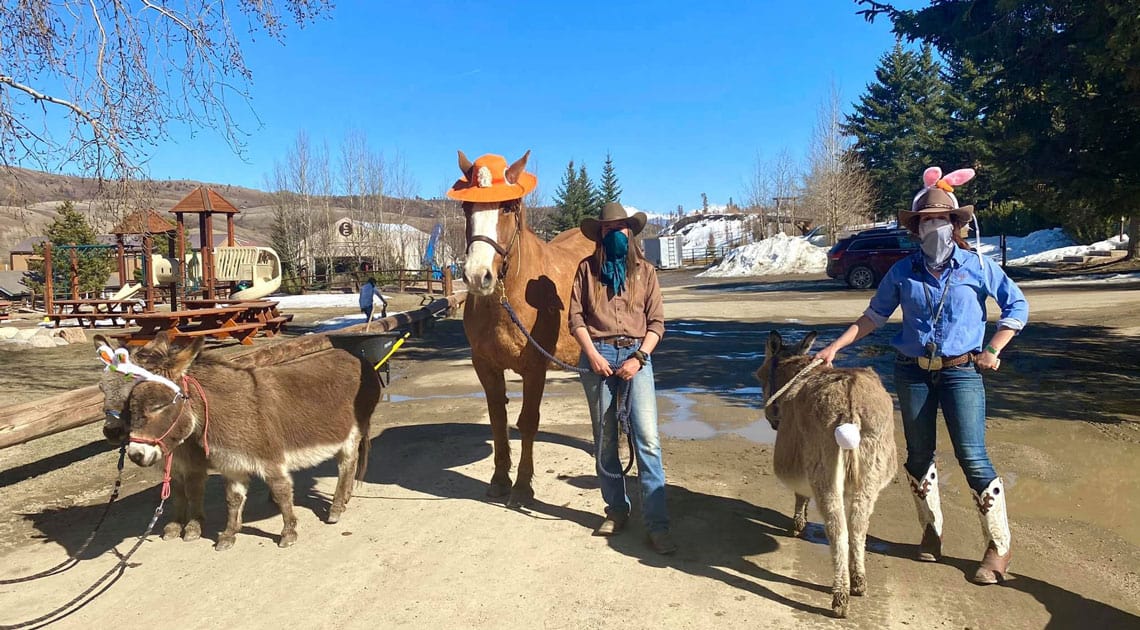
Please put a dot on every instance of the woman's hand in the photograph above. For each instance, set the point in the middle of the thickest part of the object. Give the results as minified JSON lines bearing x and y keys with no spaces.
{"x":987,"y":361}
{"x":598,"y":364}
{"x":827,"y":354}
{"x":628,"y":369}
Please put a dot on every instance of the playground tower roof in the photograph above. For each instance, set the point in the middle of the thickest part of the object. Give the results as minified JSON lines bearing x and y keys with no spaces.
{"x":203,"y":199}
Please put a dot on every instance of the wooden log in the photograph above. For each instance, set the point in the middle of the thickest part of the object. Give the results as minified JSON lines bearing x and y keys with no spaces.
{"x":46,"y":416}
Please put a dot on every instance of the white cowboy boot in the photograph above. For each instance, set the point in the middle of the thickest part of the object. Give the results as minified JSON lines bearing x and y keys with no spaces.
{"x":926,"y":502}
{"x":995,"y":529}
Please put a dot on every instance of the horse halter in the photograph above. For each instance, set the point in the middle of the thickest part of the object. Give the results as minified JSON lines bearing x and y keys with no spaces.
{"x":509,"y":207}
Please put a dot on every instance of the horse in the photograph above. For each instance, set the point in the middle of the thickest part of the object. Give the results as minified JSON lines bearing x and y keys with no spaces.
{"x":508,"y":264}
{"x":834,"y":440}
{"x":266,"y":421}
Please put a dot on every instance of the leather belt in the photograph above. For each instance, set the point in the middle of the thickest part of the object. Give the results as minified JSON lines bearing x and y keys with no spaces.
{"x":621,"y":341}
{"x":939,"y":363}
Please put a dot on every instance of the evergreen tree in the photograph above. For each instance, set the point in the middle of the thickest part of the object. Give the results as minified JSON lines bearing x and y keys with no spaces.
{"x":574,"y":200}
{"x":610,"y":190}
{"x":1062,"y":82}
{"x":901,"y":125}
{"x":70,"y":227}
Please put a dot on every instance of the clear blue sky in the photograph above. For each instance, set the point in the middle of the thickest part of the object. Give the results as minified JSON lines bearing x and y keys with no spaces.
{"x":683,"y":94}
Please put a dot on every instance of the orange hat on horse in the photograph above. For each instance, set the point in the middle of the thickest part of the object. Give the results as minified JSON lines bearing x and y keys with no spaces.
{"x":488,"y":179}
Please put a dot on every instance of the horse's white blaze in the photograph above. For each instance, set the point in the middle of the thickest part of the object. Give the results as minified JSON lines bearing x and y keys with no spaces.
{"x":143,"y":454}
{"x":480,"y":254}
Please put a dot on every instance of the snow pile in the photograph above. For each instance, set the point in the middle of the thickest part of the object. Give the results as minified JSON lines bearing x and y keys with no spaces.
{"x":1042,"y":246}
{"x":779,"y":254}
{"x":319,"y":300}
{"x":722,"y":229}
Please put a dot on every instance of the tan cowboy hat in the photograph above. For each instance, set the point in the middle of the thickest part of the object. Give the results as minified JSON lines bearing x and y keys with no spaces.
{"x":612,"y":212}
{"x":488,"y":179}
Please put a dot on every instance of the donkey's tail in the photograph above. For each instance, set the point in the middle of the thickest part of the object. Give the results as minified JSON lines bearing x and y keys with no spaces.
{"x":362,"y":454}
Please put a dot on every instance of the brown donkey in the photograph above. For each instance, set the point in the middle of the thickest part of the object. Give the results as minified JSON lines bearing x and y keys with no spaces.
{"x":264,"y":421}
{"x":810,"y":417}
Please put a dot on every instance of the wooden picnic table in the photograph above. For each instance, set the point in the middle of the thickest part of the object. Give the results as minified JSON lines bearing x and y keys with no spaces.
{"x":264,"y":311}
{"x":90,"y":311}
{"x":222,"y":322}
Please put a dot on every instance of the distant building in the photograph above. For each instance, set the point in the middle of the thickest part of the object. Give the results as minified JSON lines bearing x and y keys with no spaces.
{"x":349,"y":243}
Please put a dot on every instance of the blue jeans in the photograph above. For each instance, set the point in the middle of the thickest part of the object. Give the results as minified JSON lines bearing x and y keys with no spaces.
{"x":643,"y":423}
{"x":960,"y":393}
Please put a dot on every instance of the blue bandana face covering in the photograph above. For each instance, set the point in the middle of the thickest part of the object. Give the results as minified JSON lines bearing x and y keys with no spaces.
{"x":616,"y":246}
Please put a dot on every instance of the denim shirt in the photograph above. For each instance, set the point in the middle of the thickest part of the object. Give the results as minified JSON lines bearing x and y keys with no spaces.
{"x":961,"y":328}
{"x":366,"y":293}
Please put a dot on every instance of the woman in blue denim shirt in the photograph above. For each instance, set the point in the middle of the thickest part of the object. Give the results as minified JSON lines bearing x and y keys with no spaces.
{"x":942,"y":289}
{"x":617,"y":316}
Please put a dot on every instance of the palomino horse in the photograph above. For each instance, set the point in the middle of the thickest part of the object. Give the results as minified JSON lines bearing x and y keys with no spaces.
{"x":508,"y":262}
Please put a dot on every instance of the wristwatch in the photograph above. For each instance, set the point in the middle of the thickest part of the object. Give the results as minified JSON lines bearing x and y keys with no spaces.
{"x":641,"y":357}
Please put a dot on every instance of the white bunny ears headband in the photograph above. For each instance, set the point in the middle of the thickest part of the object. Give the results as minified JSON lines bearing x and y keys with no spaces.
{"x":932,"y":178}
{"x":120,"y":361}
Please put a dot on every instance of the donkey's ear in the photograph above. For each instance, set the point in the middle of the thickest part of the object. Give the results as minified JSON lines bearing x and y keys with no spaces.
{"x":517,"y":168}
{"x":464,"y":163}
{"x":185,"y":355}
{"x":159,"y":345}
{"x":775,"y":343}
{"x":805,"y":343}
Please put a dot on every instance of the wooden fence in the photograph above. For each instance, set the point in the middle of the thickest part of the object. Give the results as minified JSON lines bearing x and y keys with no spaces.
{"x":46,"y":416}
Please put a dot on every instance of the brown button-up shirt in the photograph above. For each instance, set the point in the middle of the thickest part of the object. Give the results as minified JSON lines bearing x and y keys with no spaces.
{"x":614,"y":316}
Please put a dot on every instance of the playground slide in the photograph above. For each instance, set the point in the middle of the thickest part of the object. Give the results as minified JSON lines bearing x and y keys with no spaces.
{"x":127,"y":291}
{"x":258,"y":291}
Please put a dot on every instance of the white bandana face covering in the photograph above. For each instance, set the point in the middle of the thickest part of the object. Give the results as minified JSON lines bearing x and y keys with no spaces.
{"x":937,"y":241}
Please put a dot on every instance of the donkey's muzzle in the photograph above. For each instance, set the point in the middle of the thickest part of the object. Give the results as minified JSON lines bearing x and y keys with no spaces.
{"x":114,"y":429}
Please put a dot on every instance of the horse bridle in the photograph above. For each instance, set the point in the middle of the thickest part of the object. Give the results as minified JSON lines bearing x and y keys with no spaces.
{"x":510,"y":207}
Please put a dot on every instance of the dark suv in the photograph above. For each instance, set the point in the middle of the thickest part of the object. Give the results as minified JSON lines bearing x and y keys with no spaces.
{"x":862,"y":260}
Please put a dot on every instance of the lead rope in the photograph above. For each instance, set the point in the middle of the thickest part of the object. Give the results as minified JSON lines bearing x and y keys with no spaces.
{"x":73,"y":559}
{"x":118,"y":568}
{"x":810,"y":366}
{"x":625,"y":401}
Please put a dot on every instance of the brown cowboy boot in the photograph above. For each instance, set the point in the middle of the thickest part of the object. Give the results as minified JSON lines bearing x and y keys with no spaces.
{"x":995,"y":529}
{"x":926,"y":502}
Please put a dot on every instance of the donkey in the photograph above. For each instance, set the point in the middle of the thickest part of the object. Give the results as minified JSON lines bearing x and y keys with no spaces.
{"x":821,"y":409}
{"x":264,"y":421}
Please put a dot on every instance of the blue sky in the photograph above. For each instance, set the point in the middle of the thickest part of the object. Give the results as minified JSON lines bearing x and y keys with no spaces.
{"x":684,"y":95}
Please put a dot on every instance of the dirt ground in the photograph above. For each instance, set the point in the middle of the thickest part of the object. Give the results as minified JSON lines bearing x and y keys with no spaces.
{"x":421,"y":546}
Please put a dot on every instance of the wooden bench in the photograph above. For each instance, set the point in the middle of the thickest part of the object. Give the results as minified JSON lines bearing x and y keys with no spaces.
{"x":242,"y":332}
{"x":275,"y":325}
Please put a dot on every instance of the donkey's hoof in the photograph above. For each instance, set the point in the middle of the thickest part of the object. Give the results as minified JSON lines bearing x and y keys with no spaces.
{"x":172,"y":531}
{"x":839,"y":604}
{"x":192,"y":531}
{"x":287,"y":539}
{"x":225,"y":541}
{"x":498,"y":489}
{"x":858,"y":585}
{"x":521,"y":497}
{"x":334,"y":514}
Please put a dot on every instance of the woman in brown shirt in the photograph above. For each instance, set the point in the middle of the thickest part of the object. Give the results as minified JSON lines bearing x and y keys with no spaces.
{"x":617,"y":316}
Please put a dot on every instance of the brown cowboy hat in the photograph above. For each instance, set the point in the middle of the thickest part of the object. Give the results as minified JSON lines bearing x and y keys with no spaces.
{"x":612,"y":213}
{"x":488,"y":179}
{"x":934,"y":201}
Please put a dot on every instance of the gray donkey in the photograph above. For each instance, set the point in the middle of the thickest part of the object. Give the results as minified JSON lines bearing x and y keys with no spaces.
{"x":814,"y":412}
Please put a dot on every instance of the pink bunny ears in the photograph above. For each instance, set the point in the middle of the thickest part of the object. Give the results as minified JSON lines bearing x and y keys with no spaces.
{"x":932,"y":177}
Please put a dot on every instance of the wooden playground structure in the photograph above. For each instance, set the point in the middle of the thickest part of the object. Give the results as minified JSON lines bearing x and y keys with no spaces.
{"x":191,"y":281}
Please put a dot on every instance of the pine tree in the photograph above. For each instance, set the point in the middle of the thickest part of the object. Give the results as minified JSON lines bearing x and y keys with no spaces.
{"x":901,"y":125}
{"x":70,"y":227}
{"x":704,"y":203}
{"x":610,"y":190}
{"x":574,"y":200}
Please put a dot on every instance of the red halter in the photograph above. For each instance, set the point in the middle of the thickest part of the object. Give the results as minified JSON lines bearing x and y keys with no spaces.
{"x":168,"y":453}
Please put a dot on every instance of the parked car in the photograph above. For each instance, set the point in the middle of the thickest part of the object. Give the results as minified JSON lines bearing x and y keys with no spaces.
{"x":863,"y":259}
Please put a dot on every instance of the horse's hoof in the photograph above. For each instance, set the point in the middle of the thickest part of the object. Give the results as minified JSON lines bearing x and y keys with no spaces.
{"x":172,"y":531}
{"x":498,"y":489}
{"x":839,"y":604}
{"x":192,"y":532}
{"x":287,"y":539}
{"x":224,"y":542}
{"x":521,"y":497}
{"x":858,"y":585}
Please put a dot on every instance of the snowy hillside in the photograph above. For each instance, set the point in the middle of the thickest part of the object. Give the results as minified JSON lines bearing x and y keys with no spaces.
{"x":723,"y":229}
{"x":779,"y":254}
